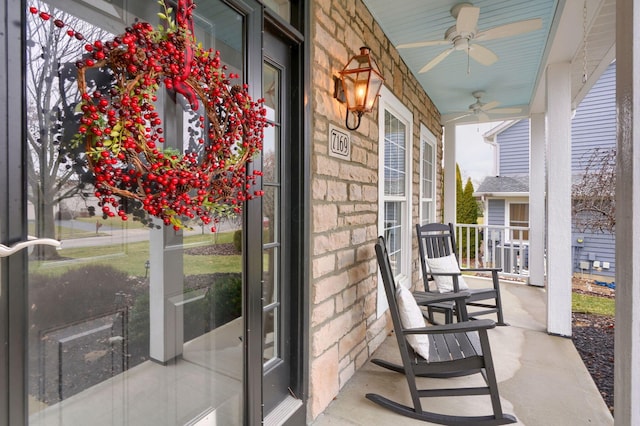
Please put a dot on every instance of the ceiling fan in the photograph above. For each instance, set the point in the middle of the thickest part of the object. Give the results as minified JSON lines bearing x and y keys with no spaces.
{"x":464,"y":35}
{"x":483,"y":110}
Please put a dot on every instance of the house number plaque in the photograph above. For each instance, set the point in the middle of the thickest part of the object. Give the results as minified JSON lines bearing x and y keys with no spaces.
{"x":339,"y":143}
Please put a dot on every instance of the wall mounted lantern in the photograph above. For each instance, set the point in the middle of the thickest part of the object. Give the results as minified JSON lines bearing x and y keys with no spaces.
{"x":358,"y":85}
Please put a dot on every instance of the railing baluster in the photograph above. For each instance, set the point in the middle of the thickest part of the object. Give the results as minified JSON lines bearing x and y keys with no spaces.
{"x":499,"y":246}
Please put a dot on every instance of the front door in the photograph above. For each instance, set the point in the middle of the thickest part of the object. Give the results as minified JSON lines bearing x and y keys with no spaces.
{"x":283,"y":221}
{"x":128,"y":321}
{"x":277,"y":223}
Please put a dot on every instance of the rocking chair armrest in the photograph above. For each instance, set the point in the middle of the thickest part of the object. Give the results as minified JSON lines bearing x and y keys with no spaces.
{"x":426,"y":298}
{"x":457,"y":327}
{"x":445,"y":274}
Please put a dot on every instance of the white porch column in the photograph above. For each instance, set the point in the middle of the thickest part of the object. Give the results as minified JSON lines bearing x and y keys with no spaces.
{"x":166,"y":278}
{"x":166,"y":329}
{"x":559,"y":198}
{"x":450,"y":173}
{"x":627,"y":333}
{"x":537,"y":209}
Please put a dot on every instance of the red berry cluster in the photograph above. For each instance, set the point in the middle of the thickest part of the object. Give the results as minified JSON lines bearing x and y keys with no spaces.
{"x":122,"y":131}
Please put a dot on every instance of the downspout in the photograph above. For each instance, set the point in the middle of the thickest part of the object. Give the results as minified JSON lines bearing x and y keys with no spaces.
{"x":490,"y":138}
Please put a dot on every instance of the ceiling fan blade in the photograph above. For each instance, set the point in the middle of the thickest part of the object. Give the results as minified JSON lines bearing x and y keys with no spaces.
{"x":489,"y":106}
{"x":459,"y":117}
{"x":512,"y":29}
{"x":482,"y":54}
{"x":505,"y":110}
{"x":435,"y":61}
{"x":467,"y":19}
{"x":483,"y":116}
{"x":423,"y":44}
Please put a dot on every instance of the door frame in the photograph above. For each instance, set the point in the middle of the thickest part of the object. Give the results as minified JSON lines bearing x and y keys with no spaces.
{"x":13,"y":217}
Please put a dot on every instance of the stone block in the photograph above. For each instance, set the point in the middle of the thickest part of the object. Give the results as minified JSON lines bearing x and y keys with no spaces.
{"x":324,"y":381}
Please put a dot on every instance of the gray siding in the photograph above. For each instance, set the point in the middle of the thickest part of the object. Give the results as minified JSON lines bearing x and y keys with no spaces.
{"x":514,"y":154}
{"x":601,"y":248}
{"x":594,"y":124}
{"x":495,"y":216}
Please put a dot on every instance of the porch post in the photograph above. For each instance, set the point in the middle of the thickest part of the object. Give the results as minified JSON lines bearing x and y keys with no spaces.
{"x":559,"y":198}
{"x":166,"y":277}
{"x":449,"y":173}
{"x":537,"y":210}
{"x":627,"y":330}
{"x":166,"y":285}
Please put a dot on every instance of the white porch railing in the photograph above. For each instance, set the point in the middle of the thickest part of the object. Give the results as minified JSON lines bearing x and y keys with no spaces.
{"x":492,"y":246}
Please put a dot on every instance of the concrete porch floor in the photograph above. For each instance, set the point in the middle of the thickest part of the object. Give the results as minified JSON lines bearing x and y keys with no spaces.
{"x":541,"y":378}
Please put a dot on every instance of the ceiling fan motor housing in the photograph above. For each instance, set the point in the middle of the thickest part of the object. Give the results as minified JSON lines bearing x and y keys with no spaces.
{"x":460,"y":40}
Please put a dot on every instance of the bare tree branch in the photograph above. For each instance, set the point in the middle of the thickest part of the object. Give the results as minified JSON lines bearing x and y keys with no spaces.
{"x":594,"y":204}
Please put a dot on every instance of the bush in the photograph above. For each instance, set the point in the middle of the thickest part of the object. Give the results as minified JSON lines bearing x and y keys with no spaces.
{"x":224,"y":300}
{"x":237,"y":240}
{"x":139,"y":330}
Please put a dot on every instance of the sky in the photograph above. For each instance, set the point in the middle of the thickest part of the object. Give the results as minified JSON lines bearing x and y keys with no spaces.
{"x":473,"y":154}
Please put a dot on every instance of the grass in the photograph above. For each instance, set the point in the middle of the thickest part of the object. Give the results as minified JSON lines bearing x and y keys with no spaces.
{"x":587,"y":304}
{"x":113,"y":222}
{"x":66,"y":233}
{"x":131,"y":258}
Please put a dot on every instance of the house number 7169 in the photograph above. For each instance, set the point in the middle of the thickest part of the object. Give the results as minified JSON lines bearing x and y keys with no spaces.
{"x":339,"y":143}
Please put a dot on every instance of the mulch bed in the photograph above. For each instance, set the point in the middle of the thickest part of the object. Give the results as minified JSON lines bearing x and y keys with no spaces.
{"x":593,"y":337}
{"x":224,"y":249}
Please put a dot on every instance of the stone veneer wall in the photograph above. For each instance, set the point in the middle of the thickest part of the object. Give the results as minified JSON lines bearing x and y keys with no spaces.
{"x":345,"y":329}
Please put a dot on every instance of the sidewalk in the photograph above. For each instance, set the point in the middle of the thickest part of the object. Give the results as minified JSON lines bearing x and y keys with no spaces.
{"x":542,"y":379}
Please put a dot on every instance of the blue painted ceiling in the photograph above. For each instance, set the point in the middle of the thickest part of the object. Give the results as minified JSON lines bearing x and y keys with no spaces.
{"x":508,"y":83}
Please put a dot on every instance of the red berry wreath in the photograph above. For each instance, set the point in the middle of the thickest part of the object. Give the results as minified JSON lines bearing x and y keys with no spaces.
{"x":122,"y":131}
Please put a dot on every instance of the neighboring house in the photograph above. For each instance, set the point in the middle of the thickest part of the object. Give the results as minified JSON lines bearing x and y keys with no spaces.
{"x":506,"y":195}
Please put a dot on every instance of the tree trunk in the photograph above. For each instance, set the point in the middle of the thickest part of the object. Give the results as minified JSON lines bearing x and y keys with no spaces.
{"x":45,"y":228}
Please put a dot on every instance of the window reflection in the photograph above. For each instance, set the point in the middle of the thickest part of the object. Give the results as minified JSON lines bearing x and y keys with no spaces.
{"x":280,"y":7}
{"x":129,"y":323}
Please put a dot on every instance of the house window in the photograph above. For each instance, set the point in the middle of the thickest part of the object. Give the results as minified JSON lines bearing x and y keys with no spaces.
{"x":427,"y":175}
{"x":395,"y":127}
{"x":519,"y":217}
{"x":281,"y":7}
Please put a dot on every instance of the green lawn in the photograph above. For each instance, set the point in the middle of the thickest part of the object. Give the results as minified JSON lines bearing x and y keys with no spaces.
{"x":113,"y":222}
{"x":131,"y":258}
{"x":67,"y":233}
{"x":587,"y":304}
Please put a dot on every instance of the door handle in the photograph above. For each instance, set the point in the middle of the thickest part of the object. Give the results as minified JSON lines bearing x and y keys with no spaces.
{"x":32,"y":241}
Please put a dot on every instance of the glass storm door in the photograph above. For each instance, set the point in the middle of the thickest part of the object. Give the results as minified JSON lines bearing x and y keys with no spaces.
{"x":128,"y":322}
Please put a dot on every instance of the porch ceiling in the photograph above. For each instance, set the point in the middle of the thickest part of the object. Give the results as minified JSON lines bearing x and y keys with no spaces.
{"x":516,"y":79}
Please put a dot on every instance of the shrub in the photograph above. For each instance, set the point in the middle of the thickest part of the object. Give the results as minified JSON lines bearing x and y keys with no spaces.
{"x":139,"y":330}
{"x":237,"y":240}
{"x":224,"y":300}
